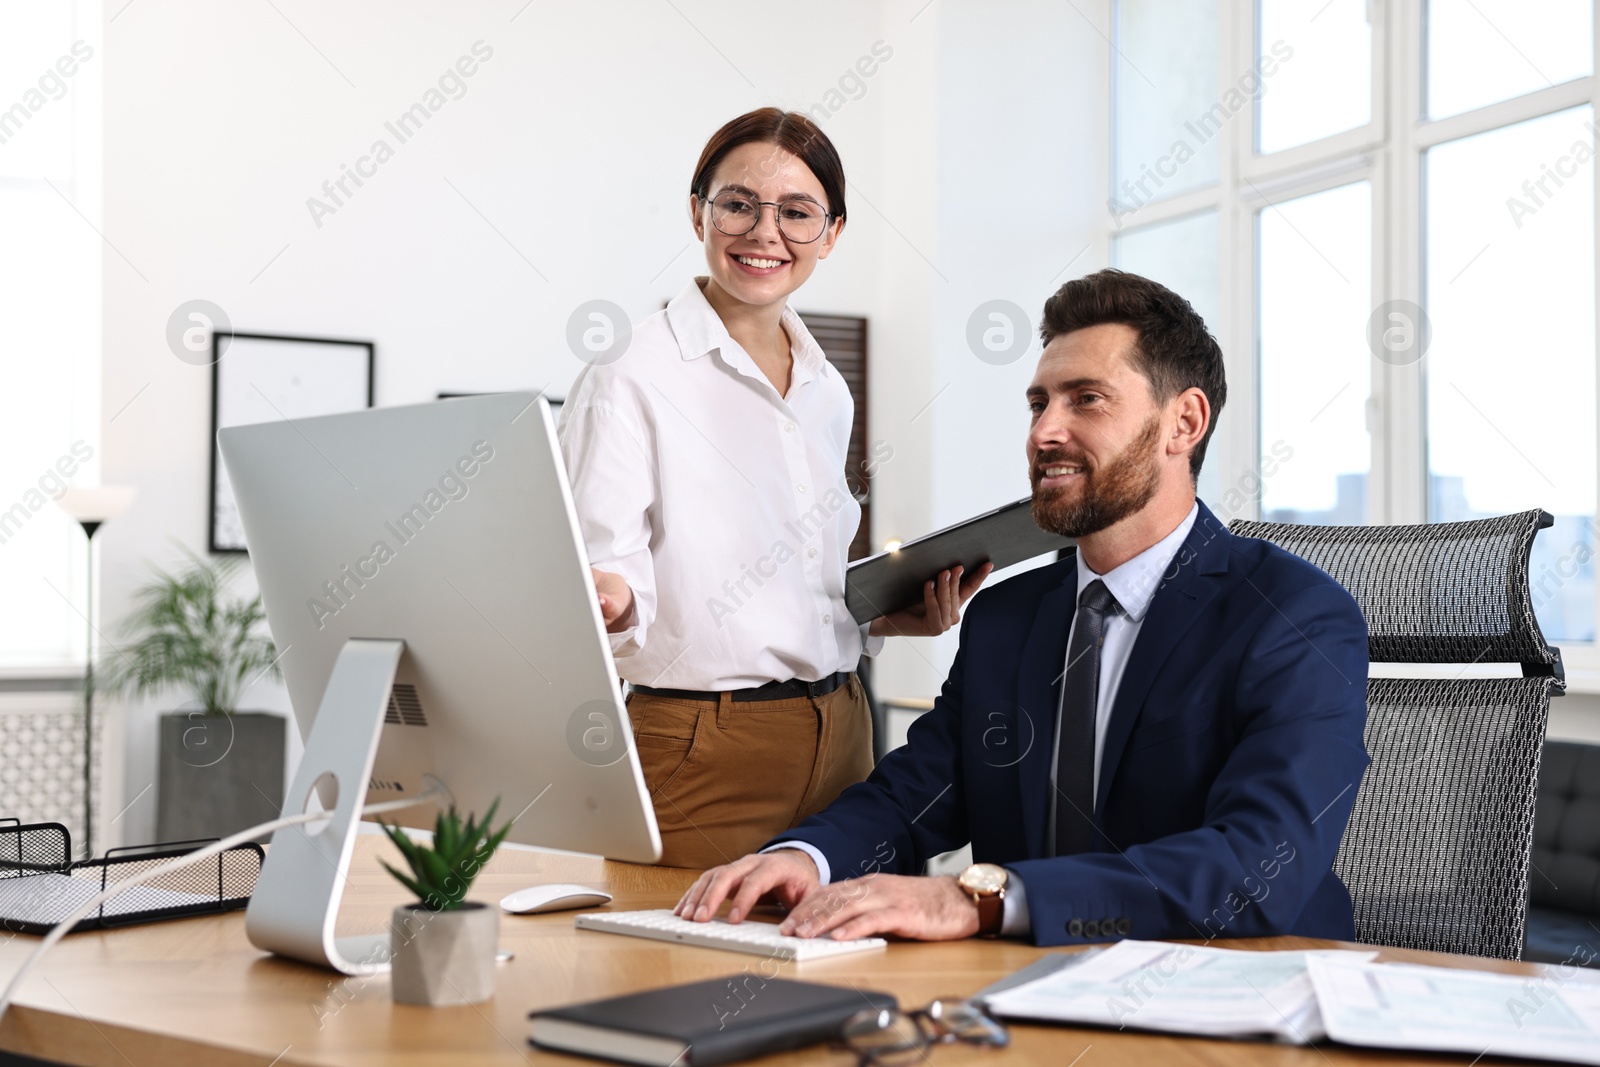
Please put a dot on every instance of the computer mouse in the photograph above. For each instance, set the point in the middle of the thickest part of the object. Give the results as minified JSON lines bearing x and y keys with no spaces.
{"x":558,"y":897}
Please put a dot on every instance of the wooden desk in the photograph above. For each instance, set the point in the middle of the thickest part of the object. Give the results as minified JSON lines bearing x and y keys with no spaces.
{"x":194,"y":991}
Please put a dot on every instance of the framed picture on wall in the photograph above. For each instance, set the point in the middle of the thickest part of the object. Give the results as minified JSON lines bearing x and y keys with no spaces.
{"x":257,"y":377}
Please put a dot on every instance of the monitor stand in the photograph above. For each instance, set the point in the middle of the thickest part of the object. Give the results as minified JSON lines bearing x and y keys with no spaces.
{"x":296,"y":897}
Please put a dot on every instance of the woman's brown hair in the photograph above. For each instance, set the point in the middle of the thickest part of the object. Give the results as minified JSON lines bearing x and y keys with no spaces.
{"x":790,"y":130}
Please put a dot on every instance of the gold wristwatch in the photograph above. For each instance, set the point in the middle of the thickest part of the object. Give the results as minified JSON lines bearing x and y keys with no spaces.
{"x":985,"y":883}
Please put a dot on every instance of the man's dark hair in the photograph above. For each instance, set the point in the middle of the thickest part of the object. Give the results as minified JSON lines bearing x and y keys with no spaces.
{"x":1174,"y":351}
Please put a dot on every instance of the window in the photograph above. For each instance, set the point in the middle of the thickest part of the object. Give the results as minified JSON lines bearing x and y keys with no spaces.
{"x":1392,"y":214}
{"x":1182,"y":255}
{"x":1511,"y":367}
{"x":1315,"y":256}
{"x":1163,"y":91}
{"x":49,"y":328}
{"x":1486,"y":51}
{"x":1323,"y":81}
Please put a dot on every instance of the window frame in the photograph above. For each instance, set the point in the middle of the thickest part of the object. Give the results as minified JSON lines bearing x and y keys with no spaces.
{"x":82,"y":188}
{"x":1388,"y":152}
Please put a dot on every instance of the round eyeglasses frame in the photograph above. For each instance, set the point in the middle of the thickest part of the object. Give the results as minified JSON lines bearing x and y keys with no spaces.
{"x":945,"y":1021}
{"x":755,"y":216}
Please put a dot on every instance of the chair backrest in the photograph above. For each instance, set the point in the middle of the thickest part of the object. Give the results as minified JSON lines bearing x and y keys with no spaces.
{"x":1436,"y":853}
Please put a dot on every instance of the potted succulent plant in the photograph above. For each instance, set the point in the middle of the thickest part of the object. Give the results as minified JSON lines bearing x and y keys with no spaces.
{"x":219,"y":770}
{"x":442,"y":948}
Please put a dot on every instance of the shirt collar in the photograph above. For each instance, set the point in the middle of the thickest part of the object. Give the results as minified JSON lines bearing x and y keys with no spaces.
{"x":700,"y":331}
{"x":1135,"y":582}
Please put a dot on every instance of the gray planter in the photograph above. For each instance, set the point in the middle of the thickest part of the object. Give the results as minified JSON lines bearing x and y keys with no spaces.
{"x":442,"y":958}
{"x":218,"y":774}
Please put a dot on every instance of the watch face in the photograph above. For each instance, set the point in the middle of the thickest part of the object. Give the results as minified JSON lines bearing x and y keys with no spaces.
{"x":984,"y":878}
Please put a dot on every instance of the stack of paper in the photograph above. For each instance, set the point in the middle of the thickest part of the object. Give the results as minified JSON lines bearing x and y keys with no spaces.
{"x":1185,"y":989}
{"x":1555,"y":1016}
{"x":1302,"y":997}
{"x":50,"y":897}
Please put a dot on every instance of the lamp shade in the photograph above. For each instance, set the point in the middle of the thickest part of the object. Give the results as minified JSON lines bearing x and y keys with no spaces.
{"x":97,"y":503}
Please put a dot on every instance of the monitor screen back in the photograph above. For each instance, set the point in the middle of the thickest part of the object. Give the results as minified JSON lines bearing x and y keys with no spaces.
{"x":450,"y":526}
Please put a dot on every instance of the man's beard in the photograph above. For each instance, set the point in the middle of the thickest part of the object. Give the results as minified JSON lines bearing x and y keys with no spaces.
{"x":1109,"y":493}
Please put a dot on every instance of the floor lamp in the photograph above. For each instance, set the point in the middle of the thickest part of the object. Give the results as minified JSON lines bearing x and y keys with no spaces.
{"x":92,"y":507}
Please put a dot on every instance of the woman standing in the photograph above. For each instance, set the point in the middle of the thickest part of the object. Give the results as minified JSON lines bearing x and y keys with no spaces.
{"x":708,"y":469}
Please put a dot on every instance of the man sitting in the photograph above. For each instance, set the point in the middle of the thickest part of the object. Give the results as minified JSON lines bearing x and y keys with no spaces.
{"x":1159,"y":736}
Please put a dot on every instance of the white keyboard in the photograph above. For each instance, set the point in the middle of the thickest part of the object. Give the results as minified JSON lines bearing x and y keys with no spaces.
{"x":756,"y":938}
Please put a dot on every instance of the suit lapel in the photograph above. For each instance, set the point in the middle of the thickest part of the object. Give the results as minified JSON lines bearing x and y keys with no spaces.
{"x":1039,"y":699}
{"x":1189,"y":586}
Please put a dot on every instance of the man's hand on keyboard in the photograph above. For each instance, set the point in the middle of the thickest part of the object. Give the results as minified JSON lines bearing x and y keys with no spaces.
{"x":926,"y":909}
{"x":788,"y":874}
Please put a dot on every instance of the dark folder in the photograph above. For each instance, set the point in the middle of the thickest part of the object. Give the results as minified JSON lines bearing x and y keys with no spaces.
{"x":716,"y":1021}
{"x":889,"y":581}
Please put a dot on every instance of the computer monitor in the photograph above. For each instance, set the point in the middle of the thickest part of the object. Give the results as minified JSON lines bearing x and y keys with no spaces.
{"x":446,"y":529}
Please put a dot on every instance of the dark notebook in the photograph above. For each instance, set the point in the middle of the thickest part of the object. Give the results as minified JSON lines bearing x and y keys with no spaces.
{"x":717,"y":1021}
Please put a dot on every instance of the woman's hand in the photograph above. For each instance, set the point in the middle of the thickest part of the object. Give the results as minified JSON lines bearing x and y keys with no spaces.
{"x":942,"y":599}
{"x":616,"y":600}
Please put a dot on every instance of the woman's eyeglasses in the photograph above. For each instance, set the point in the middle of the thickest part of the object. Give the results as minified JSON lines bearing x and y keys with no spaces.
{"x":890,"y":1037}
{"x":800,"y":220}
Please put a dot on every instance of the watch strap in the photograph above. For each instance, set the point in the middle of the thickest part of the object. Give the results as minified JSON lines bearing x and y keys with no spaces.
{"x":991,"y":913}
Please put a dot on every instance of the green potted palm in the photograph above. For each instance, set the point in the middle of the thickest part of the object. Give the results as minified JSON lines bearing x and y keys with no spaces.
{"x":219,"y":769}
{"x":442,"y":948}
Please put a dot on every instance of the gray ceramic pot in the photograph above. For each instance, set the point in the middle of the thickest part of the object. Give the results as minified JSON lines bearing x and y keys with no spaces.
{"x":443,"y":957}
{"x":218,"y":774}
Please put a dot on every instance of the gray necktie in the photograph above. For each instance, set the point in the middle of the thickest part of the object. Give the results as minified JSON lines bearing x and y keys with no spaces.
{"x":1080,"y":687}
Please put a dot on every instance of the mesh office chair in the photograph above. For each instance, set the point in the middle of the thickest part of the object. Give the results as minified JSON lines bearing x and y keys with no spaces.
{"x":1436,"y":854}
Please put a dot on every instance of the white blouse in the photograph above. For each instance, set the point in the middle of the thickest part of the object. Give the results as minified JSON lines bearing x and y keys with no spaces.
{"x":723,"y":504}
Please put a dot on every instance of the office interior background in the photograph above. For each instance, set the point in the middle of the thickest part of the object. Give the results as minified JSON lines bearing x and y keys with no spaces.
{"x":1385,"y":210}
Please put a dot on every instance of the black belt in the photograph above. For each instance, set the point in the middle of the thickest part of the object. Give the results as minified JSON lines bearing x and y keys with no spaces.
{"x":771,"y":691}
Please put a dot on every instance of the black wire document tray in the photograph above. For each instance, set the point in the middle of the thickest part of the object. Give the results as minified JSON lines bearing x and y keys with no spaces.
{"x":40,"y":885}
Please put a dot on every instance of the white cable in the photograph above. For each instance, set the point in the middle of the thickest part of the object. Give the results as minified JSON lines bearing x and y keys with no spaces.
{"x":62,"y":928}
{"x":437,"y":789}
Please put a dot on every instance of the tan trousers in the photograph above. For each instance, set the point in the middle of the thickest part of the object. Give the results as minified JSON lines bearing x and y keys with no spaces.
{"x":726,"y":777}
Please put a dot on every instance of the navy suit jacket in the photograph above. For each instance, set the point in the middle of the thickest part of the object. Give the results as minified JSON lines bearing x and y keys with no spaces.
{"x":1230,"y":766}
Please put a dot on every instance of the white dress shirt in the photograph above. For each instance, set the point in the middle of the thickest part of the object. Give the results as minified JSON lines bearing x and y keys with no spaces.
{"x":723,"y":504}
{"x":1134,"y":586}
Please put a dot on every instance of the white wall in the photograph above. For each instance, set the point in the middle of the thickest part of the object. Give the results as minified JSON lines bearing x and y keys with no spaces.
{"x":575,"y":141}
{"x":1016,"y":155}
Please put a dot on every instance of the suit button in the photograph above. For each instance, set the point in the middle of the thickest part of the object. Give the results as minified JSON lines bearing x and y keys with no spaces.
{"x":1108,"y":926}
{"x":1075,"y":928}
{"x":1124,"y":926}
{"x":1091,"y":929}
